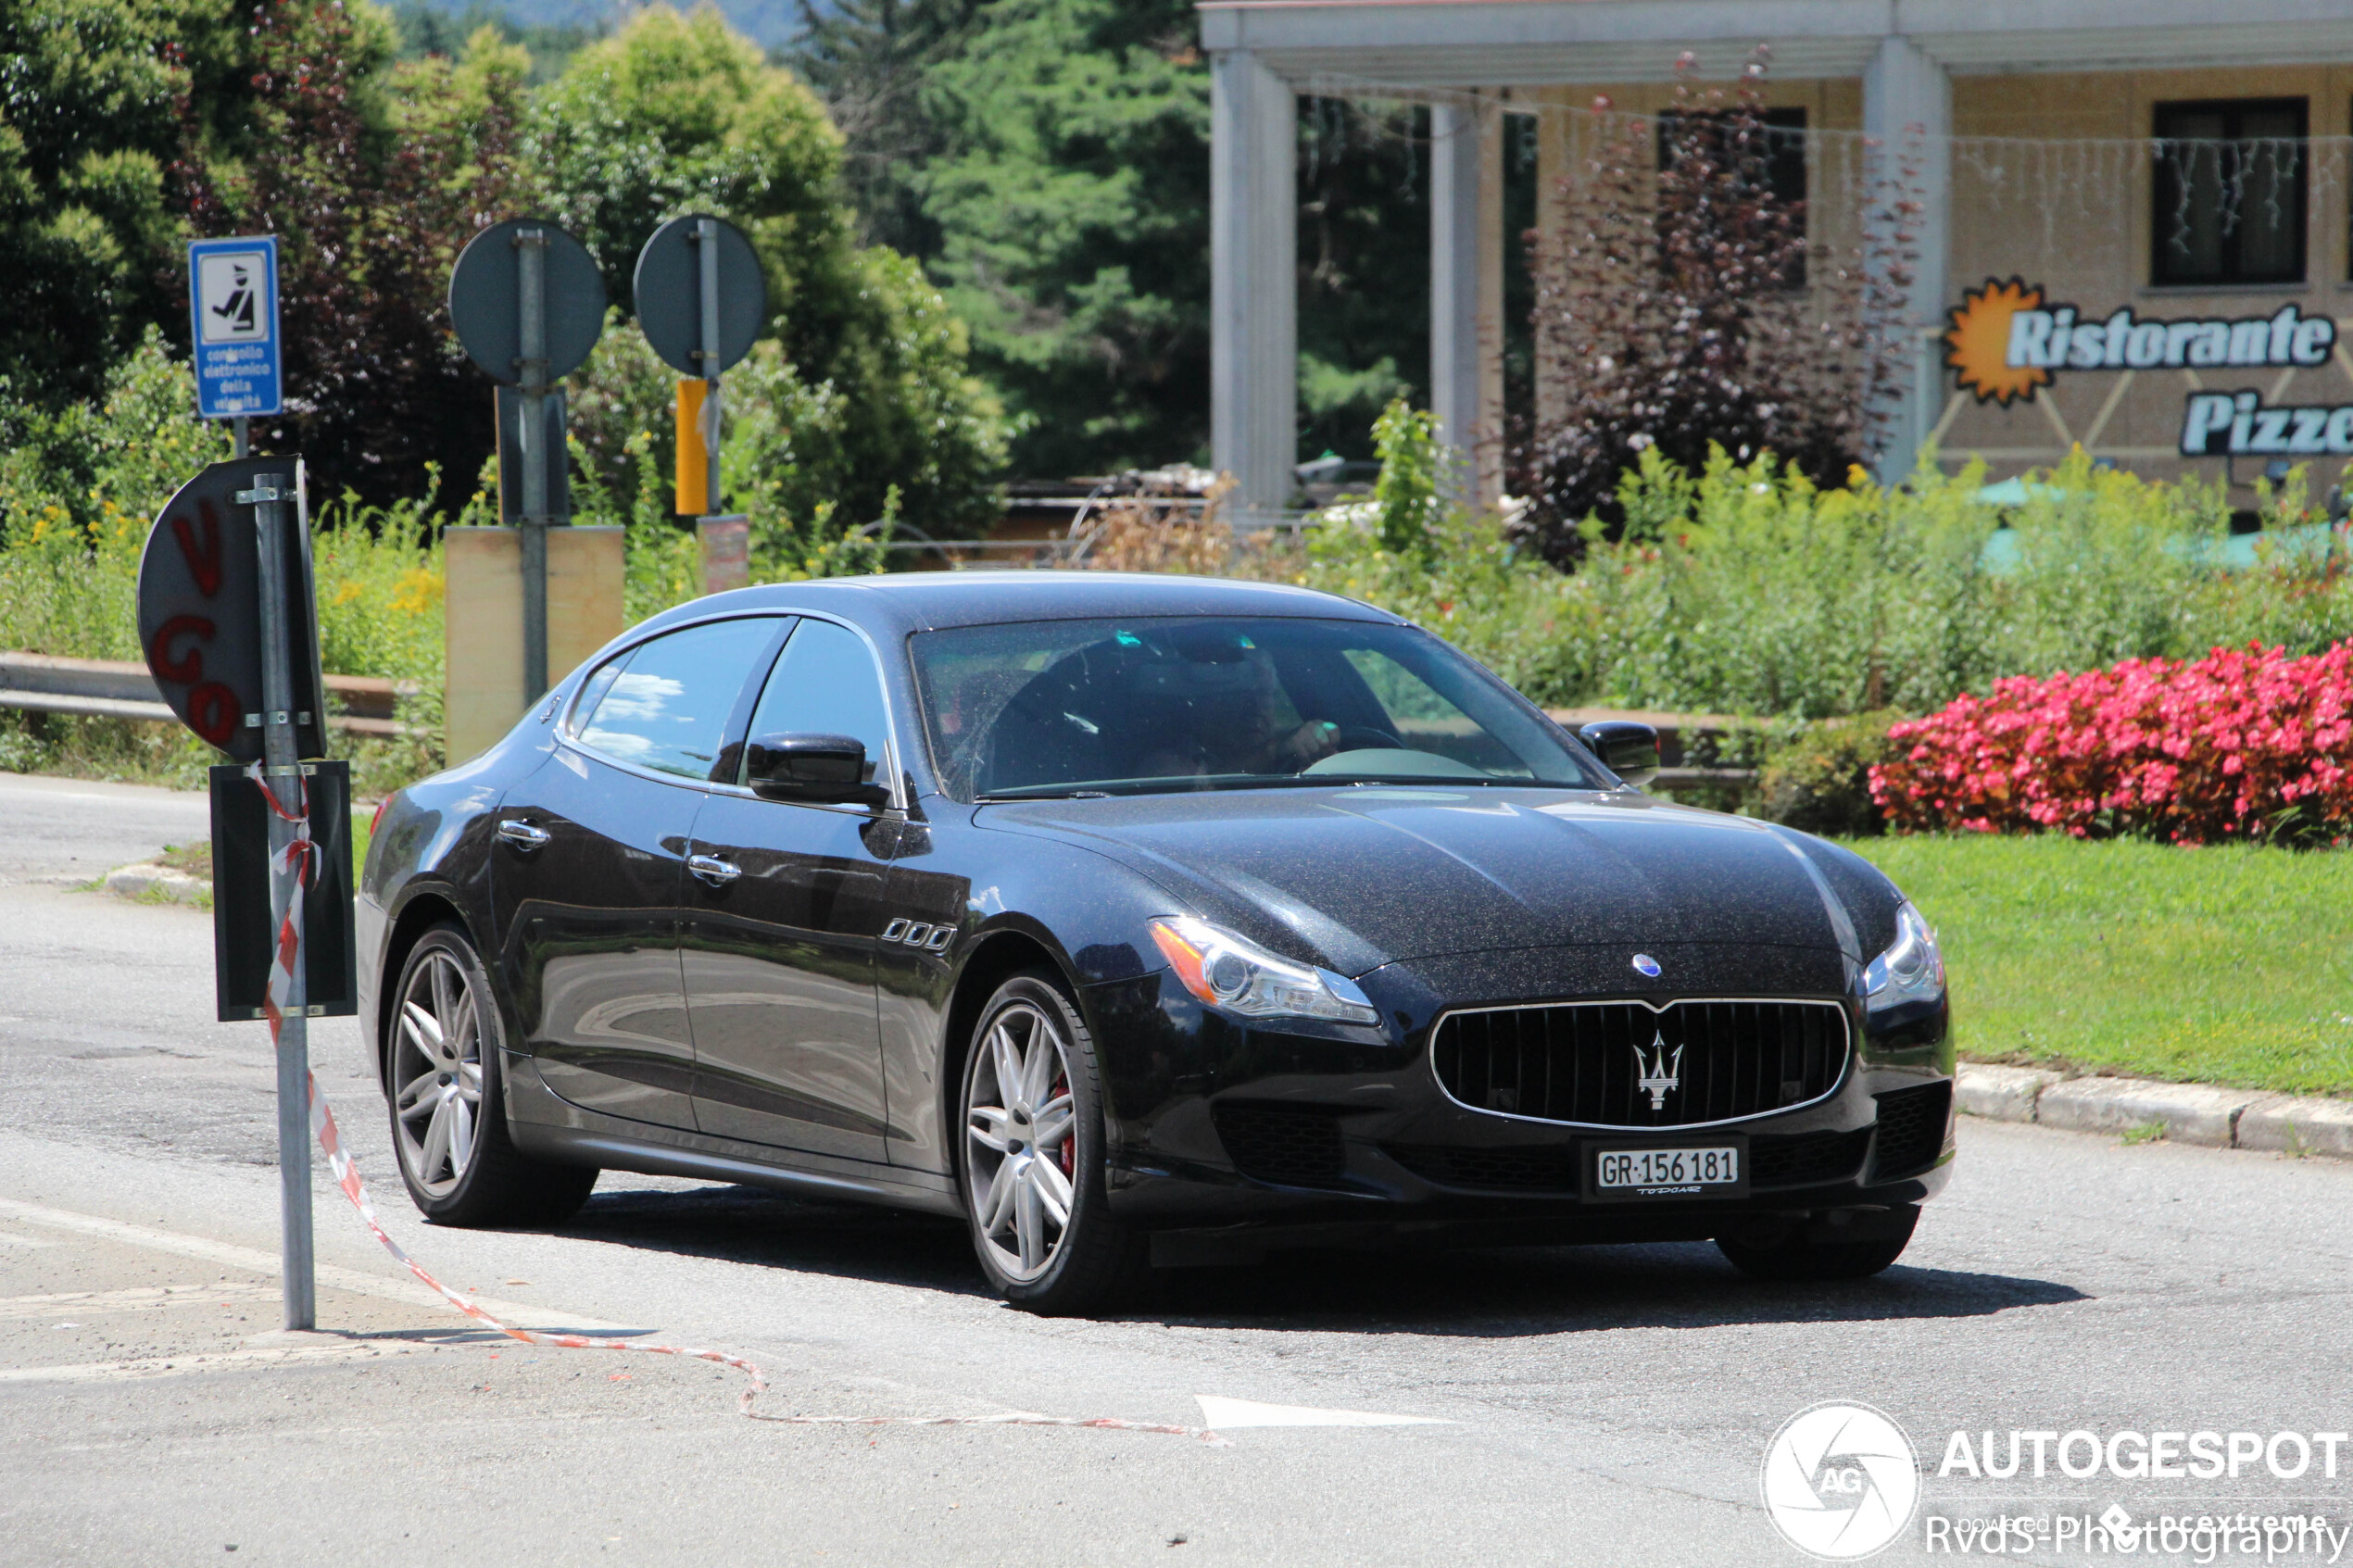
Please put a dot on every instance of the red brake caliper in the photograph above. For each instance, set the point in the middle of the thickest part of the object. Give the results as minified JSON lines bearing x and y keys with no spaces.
{"x":1070,"y":1163}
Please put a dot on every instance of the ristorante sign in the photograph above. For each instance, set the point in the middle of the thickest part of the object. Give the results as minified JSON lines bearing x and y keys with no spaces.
{"x":2004,"y":341}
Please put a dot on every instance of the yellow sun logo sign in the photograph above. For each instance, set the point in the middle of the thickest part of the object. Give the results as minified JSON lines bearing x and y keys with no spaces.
{"x":1977,"y":341}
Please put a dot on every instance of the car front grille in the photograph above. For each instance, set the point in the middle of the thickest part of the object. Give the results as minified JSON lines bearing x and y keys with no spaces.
{"x":1619,"y":1064}
{"x":1911,"y":1129}
{"x":1281,"y":1145}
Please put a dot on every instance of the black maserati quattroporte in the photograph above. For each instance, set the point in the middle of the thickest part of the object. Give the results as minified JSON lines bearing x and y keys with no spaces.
{"x":1137,"y":921}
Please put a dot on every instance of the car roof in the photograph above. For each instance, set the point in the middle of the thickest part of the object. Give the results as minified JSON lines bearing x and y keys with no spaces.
{"x":919,"y":601}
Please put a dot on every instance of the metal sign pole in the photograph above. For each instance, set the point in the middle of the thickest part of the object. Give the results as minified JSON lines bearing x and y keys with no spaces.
{"x":281,"y":771}
{"x":238,"y":428}
{"x":707,"y":257}
{"x":531,"y":296}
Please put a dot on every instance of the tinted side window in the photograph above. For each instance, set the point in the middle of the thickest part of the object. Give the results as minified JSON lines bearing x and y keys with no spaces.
{"x":665,"y":704}
{"x":825,"y":682}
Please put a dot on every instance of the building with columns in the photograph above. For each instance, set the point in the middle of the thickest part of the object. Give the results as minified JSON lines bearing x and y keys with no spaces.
{"x":2116,"y":200}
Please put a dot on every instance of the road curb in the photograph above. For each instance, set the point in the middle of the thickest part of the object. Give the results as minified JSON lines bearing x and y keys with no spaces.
{"x":2198,"y":1113}
{"x":162,"y":882}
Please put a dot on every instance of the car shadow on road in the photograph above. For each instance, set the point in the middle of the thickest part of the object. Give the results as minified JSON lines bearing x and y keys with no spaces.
{"x":1508,"y":1292}
{"x":1483,"y":1293}
{"x":749,"y":1225}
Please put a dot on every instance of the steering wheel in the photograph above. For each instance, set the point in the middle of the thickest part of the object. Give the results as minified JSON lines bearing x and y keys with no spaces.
{"x":1367,"y":737}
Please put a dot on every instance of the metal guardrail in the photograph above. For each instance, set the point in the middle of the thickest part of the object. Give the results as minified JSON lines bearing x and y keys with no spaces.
{"x":108,"y":688}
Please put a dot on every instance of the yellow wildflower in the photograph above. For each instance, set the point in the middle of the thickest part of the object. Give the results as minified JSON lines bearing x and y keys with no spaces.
{"x":418,"y":592}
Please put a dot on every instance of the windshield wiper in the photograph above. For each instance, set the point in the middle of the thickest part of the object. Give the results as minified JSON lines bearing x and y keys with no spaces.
{"x":1042,"y":792}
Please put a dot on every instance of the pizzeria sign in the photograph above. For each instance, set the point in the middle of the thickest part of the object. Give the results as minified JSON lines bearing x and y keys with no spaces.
{"x":2007,"y":341}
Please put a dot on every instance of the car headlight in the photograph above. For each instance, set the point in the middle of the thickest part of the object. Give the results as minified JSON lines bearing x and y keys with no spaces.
{"x":1913,"y":967}
{"x":1239,"y":975}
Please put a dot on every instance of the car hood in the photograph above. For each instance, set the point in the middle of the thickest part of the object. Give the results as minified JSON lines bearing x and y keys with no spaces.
{"x":1363,"y":876}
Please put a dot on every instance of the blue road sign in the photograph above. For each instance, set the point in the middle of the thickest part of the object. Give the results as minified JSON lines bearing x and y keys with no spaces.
{"x":232,"y":298}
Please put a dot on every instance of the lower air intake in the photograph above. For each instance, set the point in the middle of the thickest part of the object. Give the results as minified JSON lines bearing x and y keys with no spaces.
{"x":1911,"y":1129}
{"x":1282,"y":1144}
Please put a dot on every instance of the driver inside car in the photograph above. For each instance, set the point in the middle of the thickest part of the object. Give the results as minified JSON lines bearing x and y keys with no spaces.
{"x":1227,"y":713}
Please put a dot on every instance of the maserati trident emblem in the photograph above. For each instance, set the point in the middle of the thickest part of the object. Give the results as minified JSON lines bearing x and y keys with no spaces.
{"x":1646,"y":964}
{"x":1661,"y":1073}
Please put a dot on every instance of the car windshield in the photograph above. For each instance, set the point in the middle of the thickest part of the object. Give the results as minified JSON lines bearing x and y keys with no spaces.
{"x":1047,"y":709}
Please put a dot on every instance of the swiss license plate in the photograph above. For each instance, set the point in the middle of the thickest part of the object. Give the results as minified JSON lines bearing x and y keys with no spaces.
{"x":1637,"y":1172}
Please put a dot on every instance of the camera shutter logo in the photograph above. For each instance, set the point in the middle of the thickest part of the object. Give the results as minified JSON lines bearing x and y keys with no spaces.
{"x":1840,"y":1481}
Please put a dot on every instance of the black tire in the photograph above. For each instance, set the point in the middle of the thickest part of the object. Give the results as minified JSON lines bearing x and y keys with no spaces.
{"x":1096,"y":1262}
{"x":494,"y":1184}
{"x":1797,"y":1258}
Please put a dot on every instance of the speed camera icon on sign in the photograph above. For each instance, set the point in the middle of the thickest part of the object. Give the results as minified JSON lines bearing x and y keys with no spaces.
{"x":229,"y":289}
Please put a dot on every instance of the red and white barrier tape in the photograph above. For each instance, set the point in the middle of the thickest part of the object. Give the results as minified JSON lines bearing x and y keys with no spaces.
{"x":346,"y":1174}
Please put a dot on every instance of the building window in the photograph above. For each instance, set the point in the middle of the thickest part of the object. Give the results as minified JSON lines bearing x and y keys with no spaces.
{"x":1779,"y":167}
{"x":2230,"y":193}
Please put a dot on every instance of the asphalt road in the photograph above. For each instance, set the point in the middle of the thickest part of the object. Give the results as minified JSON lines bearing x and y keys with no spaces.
{"x":1601,"y":1406}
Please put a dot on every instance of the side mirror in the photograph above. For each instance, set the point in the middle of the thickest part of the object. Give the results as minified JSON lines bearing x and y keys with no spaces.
{"x":1626,"y":748}
{"x":815,"y":769}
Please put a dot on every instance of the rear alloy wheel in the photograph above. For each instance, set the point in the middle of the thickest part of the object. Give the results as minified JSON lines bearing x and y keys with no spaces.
{"x":1032,"y":1156}
{"x":1794,"y":1256}
{"x":448,"y":1121}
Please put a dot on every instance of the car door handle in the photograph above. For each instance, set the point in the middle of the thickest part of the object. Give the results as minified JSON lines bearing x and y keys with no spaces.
{"x":712,"y":870}
{"x":521,"y":834}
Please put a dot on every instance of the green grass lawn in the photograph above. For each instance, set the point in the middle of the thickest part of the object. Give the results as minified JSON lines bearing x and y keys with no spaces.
{"x":2218,"y":965}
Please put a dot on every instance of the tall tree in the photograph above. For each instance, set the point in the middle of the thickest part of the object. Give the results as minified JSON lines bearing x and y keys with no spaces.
{"x":91,"y":96}
{"x":869,"y":58}
{"x":372,"y":179}
{"x":1075,"y":221}
{"x":678,"y":113}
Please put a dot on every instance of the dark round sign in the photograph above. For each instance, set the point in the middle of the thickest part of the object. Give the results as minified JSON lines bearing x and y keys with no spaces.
{"x":485,"y":294}
{"x":200,"y":609}
{"x":668,"y":288}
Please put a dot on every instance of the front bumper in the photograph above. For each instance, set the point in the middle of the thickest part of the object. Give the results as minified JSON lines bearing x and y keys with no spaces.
{"x":1326,"y":1132}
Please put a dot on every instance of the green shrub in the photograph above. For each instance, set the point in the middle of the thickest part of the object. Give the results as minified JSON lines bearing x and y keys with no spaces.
{"x":1818,"y":778}
{"x":1747,"y":589}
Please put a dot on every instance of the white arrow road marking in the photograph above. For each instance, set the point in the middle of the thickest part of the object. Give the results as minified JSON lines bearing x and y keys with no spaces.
{"x":1221,"y":1414}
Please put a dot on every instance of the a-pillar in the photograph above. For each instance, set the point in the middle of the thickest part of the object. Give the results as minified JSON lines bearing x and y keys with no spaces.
{"x":1907,"y":112}
{"x":1253,"y":294}
{"x":1467,"y":286}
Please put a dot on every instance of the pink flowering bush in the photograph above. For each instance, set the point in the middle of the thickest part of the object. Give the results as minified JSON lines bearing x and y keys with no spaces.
{"x":2243,"y":744}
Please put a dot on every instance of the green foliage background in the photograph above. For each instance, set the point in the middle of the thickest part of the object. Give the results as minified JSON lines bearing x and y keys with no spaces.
{"x":129,"y":126}
{"x":1746,"y":589}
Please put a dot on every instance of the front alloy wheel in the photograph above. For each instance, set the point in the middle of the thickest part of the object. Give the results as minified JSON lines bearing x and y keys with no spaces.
{"x":442,"y":1067}
{"x":1032,"y":1155}
{"x":437,"y":1072}
{"x":1019,"y":1125}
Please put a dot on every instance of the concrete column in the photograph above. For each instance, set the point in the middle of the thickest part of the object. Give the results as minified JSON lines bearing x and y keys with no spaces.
{"x":1456,"y":135}
{"x":1253,"y":293}
{"x":1907,"y":109}
{"x":1487,"y":443}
